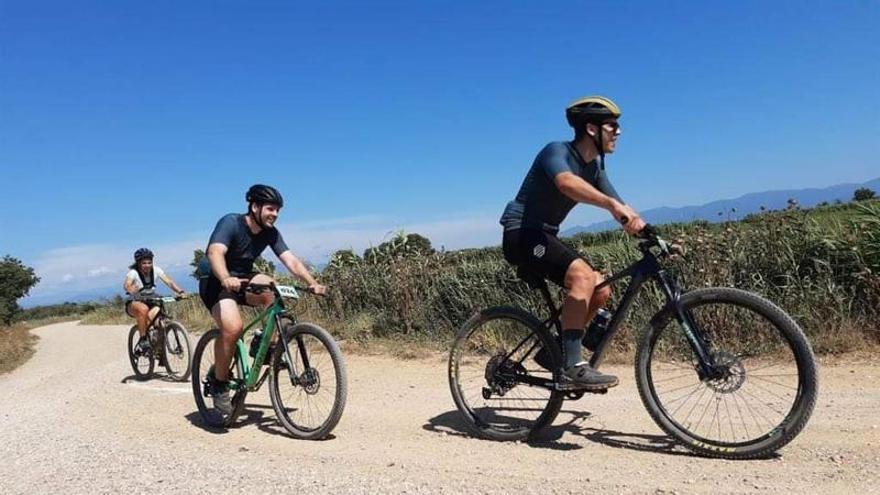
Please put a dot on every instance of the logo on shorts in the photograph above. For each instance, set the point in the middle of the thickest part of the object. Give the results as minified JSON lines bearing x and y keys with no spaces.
{"x":539,"y":251}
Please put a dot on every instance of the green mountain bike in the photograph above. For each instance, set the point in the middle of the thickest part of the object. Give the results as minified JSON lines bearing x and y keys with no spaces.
{"x":723,"y":371}
{"x":307,"y":377}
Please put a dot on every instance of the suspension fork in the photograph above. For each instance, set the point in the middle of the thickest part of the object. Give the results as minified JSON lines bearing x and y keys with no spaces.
{"x":282,"y":339}
{"x":694,"y":334}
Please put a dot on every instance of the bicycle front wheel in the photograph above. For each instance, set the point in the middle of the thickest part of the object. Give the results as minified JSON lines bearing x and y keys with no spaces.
{"x":762,"y":391}
{"x":491,"y":361}
{"x":309,"y":392}
{"x":178,"y":355}
{"x":202,"y":364}
{"x":142,"y":363}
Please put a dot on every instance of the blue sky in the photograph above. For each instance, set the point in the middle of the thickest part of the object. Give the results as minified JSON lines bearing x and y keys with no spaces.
{"x":127,"y":124}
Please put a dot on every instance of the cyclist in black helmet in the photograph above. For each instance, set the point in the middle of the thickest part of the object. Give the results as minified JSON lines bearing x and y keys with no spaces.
{"x":562,"y":175}
{"x":237,"y":240}
{"x":141,"y":279}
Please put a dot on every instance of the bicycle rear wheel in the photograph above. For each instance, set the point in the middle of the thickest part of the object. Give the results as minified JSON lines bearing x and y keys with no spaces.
{"x":490,"y":358}
{"x":309,"y":395}
{"x":142,"y":363}
{"x":763,"y":390}
{"x":178,"y":355}
{"x":202,"y":364}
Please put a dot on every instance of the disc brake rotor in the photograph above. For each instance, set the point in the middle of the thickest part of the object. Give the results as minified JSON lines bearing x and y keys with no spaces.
{"x":731,"y":376}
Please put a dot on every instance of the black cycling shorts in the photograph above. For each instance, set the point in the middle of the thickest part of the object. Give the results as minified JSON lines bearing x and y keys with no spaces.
{"x":539,"y":252}
{"x":150,"y":305}
{"x":212,"y":292}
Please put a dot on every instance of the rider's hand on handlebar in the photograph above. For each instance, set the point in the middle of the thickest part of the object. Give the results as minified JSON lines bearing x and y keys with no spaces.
{"x":628,"y":217}
{"x":318,"y":289}
{"x":232,"y":284}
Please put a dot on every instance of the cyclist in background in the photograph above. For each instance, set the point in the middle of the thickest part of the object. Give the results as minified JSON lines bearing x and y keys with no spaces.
{"x":141,"y":280}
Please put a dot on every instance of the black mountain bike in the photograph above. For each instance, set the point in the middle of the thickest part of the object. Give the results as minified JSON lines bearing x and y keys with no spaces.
{"x":723,"y":371}
{"x":169,"y":343}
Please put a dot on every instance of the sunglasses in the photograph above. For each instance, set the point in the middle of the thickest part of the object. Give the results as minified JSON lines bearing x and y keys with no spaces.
{"x":612,"y":126}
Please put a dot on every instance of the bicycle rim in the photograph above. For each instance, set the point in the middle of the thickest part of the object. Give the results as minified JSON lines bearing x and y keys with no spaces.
{"x":178,"y":357}
{"x":492,"y":350}
{"x":309,"y":401}
{"x":202,"y":363}
{"x":764,"y":393}
{"x":141,"y":363}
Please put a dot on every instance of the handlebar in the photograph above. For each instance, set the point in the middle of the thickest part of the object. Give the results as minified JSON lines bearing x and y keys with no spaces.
{"x":155,"y":298}
{"x":258,"y":288}
{"x":651,"y":238}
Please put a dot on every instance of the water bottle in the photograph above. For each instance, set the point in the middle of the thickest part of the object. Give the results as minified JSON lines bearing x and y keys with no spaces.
{"x":255,"y":343}
{"x":597,"y":329}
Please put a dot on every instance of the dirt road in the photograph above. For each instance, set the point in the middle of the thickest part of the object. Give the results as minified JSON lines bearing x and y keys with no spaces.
{"x":73,"y":420}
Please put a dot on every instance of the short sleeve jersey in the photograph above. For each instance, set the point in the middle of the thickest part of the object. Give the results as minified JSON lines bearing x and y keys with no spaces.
{"x":138,"y":281}
{"x":539,"y":203}
{"x":243,"y":246}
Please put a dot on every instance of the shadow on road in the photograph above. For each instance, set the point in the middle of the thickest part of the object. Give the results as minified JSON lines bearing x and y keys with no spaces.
{"x":254,"y":414}
{"x":452,"y":423}
{"x":162,"y":377}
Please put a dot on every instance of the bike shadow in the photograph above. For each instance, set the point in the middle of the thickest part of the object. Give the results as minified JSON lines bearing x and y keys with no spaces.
{"x":451,"y":423}
{"x":253,"y":414}
{"x":162,"y":377}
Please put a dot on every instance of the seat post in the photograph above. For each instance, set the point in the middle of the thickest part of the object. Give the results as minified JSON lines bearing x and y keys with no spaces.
{"x":537,"y":281}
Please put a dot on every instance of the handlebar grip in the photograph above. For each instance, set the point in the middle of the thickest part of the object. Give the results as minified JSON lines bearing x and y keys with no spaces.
{"x":648,"y":231}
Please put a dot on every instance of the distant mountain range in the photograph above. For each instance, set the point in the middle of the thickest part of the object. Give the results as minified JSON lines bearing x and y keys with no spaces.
{"x":749,"y":203}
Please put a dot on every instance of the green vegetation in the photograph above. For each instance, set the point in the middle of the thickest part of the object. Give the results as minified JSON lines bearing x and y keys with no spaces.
{"x":56,"y":312}
{"x":16,"y":280}
{"x":863,"y":194}
{"x":822,"y":265}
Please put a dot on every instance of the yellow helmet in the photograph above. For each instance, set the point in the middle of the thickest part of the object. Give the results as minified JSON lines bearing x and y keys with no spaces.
{"x":591,"y":110}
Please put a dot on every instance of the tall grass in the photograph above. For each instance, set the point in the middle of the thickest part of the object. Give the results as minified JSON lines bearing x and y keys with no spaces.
{"x":825,"y":273}
{"x":190,"y":311}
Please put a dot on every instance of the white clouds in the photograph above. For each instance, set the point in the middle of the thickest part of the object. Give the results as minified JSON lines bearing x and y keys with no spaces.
{"x":97,"y":272}
{"x":68,"y":271}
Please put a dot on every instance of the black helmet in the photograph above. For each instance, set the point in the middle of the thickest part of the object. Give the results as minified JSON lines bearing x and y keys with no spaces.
{"x":591,"y":110}
{"x":142,"y":253}
{"x":262,"y":194}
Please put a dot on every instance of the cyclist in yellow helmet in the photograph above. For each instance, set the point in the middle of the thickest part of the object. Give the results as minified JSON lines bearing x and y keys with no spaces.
{"x":564,"y":174}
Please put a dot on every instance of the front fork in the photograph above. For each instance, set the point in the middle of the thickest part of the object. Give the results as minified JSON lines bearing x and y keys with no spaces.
{"x":706,"y":365}
{"x":300,"y":345}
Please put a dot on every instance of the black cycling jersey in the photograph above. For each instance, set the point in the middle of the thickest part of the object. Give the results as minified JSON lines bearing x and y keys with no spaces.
{"x":243,"y":245}
{"x":539,"y":203}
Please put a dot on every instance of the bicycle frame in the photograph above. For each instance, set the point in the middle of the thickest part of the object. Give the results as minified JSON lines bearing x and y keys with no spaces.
{"x":271,"y":320}
{"x":641,"y":271}
{"x":160,"y":316}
